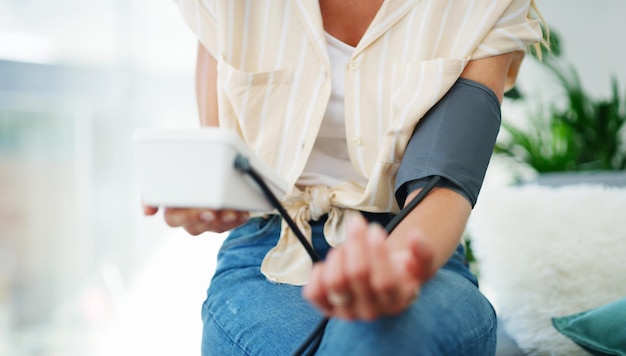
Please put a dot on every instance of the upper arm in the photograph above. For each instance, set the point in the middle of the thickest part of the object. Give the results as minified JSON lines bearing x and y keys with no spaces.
{"x":490,"y":71}
{"x":206,"y":87}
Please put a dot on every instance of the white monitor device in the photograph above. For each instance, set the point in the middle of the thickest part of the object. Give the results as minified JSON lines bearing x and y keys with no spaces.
{"x":194,"y":168}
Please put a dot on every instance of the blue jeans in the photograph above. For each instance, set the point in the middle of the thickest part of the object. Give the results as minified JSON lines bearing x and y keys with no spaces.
{"x":244,"y":314}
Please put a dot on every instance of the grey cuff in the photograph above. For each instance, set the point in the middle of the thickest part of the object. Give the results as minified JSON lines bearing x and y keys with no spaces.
{"x":454,"y":140}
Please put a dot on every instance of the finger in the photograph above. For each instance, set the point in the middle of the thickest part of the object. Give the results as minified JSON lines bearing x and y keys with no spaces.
{"x":384,"y":278}
{"x":149,"y":210}
{"x":220,"y":221}
{"x":358,"y":269}
{"x":196,"y":229}
{"x":233,"y":217}
{"x":417,"y":269}
{"x":420,"y":266}
{"x":176,"y":217}
{"x":315,"y":292}
{"x":197,"y":221}
{"x":336,"y":283}
{"x":207,"y":216}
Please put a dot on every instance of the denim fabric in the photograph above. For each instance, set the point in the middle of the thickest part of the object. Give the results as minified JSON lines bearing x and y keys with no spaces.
{"x":245,"y":314}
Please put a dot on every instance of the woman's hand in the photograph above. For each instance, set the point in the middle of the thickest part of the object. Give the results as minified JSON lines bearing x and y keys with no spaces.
{"x":197,"y":221}
{"x":366,"y":279}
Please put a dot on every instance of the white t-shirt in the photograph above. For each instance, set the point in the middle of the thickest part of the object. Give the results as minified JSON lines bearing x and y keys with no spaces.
{"x":329,"y":163}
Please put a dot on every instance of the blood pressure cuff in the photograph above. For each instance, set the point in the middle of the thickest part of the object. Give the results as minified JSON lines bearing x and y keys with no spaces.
{"x":454,"y":140}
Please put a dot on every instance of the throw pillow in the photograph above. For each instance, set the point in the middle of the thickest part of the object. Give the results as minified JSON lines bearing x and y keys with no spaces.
{"x":601,"y":330}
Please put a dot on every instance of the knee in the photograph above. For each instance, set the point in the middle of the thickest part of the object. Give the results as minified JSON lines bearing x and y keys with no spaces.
{"x":448,"y":319}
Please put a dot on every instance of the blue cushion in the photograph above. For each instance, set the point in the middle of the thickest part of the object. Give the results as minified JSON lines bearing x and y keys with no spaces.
{"x":601,"y":331}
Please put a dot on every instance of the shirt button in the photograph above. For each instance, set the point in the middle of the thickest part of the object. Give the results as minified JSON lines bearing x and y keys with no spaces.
{"x":354,"y":64}
{"x":356,"y":140}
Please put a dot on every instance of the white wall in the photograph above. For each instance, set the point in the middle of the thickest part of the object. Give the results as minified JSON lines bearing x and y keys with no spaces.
{"x":592,"y":36}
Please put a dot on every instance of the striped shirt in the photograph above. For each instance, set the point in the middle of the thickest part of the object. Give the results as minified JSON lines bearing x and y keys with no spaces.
{"x":274,"y":84}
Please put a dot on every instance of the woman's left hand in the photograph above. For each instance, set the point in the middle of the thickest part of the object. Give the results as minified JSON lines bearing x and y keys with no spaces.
{"x":365,"y":278}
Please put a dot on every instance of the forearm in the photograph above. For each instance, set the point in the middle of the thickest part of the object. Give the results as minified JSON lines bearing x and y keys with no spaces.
{"x":439,"y":219}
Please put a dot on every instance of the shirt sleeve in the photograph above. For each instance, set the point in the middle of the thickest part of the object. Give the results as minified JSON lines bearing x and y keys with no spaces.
{"x":200,"y":16}
{"x":512,"y":32}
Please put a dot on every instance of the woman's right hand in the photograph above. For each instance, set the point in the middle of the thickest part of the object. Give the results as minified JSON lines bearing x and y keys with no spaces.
{"x":196,"y":221}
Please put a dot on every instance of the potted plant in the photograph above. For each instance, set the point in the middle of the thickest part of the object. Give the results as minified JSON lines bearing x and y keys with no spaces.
{"x":585,"y":135}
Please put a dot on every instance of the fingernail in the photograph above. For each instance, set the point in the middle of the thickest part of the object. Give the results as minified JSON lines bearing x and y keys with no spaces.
{"x":229,"y":217}
{"x":207,"y":216}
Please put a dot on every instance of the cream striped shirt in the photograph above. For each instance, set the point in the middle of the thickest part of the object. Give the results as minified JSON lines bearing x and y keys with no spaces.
{"x":274,"y":83}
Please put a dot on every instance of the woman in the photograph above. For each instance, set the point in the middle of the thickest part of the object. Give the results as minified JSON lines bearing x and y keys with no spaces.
{"x":358,"y":104}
